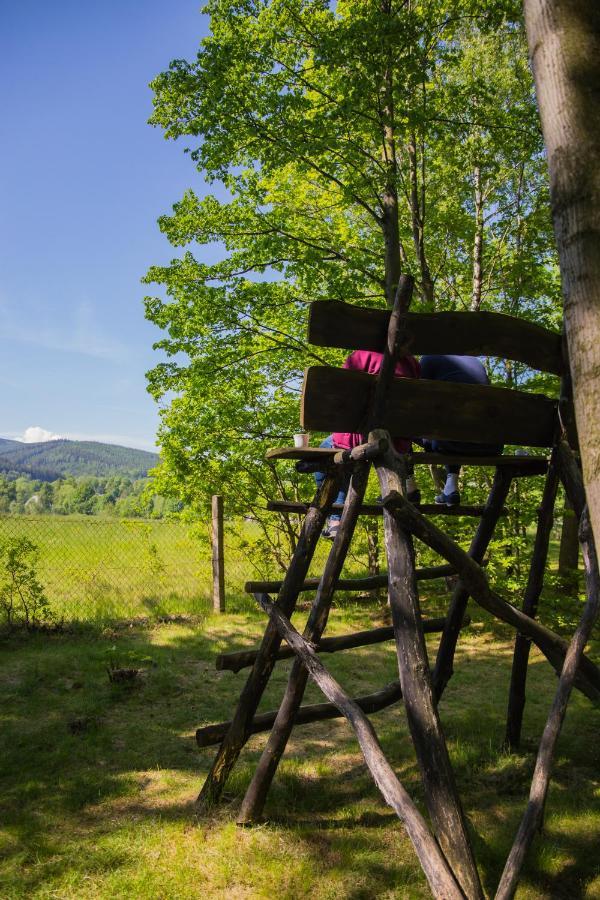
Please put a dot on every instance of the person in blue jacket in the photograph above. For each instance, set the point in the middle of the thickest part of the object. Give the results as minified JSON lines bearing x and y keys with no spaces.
{"x":464,"y":370}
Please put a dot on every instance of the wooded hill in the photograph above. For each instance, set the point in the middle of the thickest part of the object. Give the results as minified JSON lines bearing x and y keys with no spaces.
{"x":51,"y":460}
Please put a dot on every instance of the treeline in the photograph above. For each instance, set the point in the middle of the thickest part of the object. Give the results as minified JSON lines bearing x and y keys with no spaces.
{"x":116,"y":495}
{"x":51,"y":460}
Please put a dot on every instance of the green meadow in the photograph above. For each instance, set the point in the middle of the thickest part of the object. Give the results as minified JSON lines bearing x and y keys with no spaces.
{"x":98,"y":779}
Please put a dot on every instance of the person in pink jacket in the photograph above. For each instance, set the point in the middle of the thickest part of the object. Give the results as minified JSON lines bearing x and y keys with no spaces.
{"x":369,"y":361}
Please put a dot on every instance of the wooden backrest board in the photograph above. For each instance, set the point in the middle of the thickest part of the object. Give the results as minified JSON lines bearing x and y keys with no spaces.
{"x":335,"y":324}
{"x":339,"y":400}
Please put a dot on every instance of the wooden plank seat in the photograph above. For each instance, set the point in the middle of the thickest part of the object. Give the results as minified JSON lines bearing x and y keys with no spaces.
{"x":376,"y":509}
{"x":530,"y":465}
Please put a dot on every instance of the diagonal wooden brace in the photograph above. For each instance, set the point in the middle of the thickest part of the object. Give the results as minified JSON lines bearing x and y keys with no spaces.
{"x":441,"y":879}
{"x":441,"y":794}
{"x":472,"y":575}
{"x":258,"y":678}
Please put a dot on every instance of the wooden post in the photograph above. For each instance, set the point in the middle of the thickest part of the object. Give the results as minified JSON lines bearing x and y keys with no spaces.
{"x":533,"y":816}
{"x":256,"y":795}
{"x":218,"y":558}
{"x":441,"y":795}
{"x":535,"y":582}
{"x":239,"y":730}
{"x":443,"y":670}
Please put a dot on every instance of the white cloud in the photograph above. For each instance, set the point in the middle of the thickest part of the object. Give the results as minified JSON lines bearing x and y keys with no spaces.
{"x":36,"y":435}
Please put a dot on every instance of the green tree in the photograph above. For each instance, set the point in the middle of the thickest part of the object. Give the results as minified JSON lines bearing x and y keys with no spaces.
{"x":350,"y":144}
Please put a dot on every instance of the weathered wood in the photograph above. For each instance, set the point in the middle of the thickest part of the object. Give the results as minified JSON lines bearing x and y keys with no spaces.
{"x":568,"y":554}
{"x":472,"y":575}
{"x":570,"y":475}
{"x":535,"y":583}
{"x":441,"y":795}
{"x":443,"y":670}
{"x":258,"y":678}
{"x":368,"y":583}
{"x":335,"y":324}
{"x":241,"y":659}
{"x":322,"y":456}
{"x":218,"y":558}
{"x":376,"y":509}
{"x":253,"y":803}
{"x":441,"y":880}
{"x":534,"y":812}
{"x":338,"y":400}
{"x":392,"y":350}
{"x":256,"y":794}
{"x":315,"y":712}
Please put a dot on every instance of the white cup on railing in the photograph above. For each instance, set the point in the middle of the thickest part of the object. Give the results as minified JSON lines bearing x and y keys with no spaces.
{"x":301,"y":440}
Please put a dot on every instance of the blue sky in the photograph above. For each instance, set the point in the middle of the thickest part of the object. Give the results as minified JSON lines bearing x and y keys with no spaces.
{"x":83,"y":179}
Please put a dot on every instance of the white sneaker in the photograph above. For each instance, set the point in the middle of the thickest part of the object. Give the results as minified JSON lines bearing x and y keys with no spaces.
{"x":333,"y":526}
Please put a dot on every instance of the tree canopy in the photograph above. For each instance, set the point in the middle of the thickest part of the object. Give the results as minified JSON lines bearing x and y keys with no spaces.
{"x":344,"y":143}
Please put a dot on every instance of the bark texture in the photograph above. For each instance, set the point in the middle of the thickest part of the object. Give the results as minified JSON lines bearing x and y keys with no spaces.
{"x":564,"y":46}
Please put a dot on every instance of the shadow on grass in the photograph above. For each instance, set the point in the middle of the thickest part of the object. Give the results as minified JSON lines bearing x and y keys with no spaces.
{"x":82,"y":758}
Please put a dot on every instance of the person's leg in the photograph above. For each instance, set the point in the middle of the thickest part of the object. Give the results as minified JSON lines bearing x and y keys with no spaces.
{"x":334,"y":519}
{"x":449,"y":494}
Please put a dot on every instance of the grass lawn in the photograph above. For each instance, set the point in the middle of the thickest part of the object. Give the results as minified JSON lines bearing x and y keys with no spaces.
{"x":98,"y":780}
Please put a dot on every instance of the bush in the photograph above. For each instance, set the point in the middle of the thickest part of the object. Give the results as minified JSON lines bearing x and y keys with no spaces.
{"x":22,"y":598}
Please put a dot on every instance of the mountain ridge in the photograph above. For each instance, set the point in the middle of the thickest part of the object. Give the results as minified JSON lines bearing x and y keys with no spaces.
{"x":51,"y":460}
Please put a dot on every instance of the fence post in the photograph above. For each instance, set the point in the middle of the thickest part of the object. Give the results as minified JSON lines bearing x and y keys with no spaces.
{"x":218,"y":561}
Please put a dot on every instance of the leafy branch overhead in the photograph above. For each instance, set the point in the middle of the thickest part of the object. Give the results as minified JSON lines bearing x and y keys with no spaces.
{"x":341,"y":146}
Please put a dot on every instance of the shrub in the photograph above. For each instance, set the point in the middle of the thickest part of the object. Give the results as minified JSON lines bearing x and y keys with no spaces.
{"x":22,"y":598}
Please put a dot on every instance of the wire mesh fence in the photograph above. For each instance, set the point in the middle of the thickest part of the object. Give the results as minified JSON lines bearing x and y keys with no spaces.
{"x":94,"y":568}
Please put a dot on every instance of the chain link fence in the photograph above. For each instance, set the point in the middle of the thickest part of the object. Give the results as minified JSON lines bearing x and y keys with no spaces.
{"x":93,"y":568}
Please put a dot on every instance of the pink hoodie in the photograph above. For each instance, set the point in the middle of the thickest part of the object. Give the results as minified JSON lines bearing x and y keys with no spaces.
{"x":370,"y":361}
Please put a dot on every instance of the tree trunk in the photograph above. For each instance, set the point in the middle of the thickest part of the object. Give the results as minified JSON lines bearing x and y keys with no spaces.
{"x":417,"y":211}
{"x":564,"y":45}
{"x":478,"y":241}
{"x":389,"y":200}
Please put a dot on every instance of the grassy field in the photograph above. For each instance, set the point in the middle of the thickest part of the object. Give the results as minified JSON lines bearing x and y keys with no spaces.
{"x":103,"y":569}
{"x":98,"y":780}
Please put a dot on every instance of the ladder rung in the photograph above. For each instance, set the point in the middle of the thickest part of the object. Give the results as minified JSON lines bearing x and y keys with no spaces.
{"x":241,"y":659}
{"x":376,"y":509}
{"x":368,"y":583}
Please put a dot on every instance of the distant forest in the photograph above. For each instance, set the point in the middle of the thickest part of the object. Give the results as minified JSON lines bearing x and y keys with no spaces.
{"x":51,"y":460}
{"x":65,"y":477}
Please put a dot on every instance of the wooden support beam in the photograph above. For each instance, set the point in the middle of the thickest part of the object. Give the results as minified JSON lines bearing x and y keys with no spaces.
{"x":241,"y":659}
{"x":256,"y":795}
{"x":376,"y":509}
{"x":258,"y":678}
{"x":368,"y":583}
{"x":444,"y":663}
{"x":532,"y":819}
{"x":315,"y":712}
{"x":323,"y":456}
{"x":441,"y":795}
{"x":472,"y":575}
{"x":437,"y":871}
{"x":253,"y":803}
{"x":535,"y":583}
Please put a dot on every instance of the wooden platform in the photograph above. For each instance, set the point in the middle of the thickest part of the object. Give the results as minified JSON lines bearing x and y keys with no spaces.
{"x":376,"y":509}
{"x":529,"y":465}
